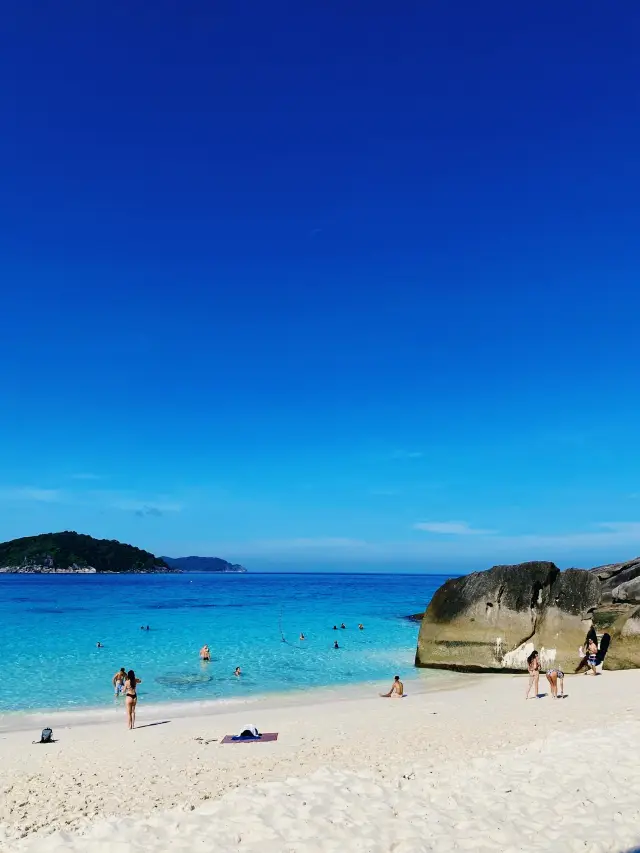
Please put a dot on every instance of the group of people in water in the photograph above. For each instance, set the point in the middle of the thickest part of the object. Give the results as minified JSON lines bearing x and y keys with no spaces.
{"x":205,"y":657}
{"x":591,"y":656}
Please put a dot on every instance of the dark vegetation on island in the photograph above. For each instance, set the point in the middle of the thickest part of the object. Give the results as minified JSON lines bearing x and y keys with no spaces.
{"x":76,"y":551}
{"x":203,"y":564}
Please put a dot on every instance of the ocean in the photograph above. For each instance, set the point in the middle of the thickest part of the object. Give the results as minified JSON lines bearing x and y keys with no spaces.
{"x":50,"y":625}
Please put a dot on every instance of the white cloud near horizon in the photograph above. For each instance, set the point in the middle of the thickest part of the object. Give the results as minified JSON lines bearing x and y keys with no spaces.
{"x":31,"y":493}
{"x":452,"y":528}
{"x":611,"y":540}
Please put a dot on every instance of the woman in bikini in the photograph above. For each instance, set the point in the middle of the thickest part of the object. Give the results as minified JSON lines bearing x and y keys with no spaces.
{"x":533,"y":662}
{"x":131,"y":697}
{"x":555,"y":677}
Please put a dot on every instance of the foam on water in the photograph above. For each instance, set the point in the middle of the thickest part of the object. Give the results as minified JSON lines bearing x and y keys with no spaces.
{"x":50,"y":624}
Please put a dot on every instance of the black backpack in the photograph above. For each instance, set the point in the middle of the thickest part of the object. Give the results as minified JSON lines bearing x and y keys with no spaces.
{"x":46,"y":737}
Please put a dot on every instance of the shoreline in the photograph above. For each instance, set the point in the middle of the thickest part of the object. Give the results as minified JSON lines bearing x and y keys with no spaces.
{"x":476,"y":765}
{"x":418,"y":684}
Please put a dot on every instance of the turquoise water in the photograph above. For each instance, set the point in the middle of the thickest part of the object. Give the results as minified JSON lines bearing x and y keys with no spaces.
{"x":50,"y":624}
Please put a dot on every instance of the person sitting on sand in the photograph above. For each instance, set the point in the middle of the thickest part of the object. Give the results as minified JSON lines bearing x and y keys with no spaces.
{"x":553,"y":677}
{"x":237,"y":672}
{"x":205,"y":654}
{"x":533,"y":662}
{"x":397,"y":689}
{"x":118,"y":680}
{"x":131,"y":697}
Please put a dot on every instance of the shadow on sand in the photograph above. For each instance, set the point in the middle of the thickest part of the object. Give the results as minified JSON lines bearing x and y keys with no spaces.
{"x":148,"y":725}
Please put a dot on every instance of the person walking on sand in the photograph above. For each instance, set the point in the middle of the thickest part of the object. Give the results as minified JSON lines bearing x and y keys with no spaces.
{"x":118,"y":681}
{"x":533,"y":662}
{"x":397,"y":689}
{"x":553,"y":677}
{"x":205,"y":654}
{"x":131,"y":697}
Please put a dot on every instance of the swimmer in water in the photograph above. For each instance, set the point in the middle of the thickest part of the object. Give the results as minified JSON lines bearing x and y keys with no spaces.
{"x":99,"y":646}
{"x":343,"y":625}
{"x":302,"y":637}
{"x":335,"y":627}
{"x":335,"y":645}
{"x":237,"y":672}
{"x":361,"y":627}
{"x":397,"y":690}
{"x":205,"y":654}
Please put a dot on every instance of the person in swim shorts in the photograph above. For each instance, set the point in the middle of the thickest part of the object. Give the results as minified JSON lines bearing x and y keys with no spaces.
{"x":118,"y":681}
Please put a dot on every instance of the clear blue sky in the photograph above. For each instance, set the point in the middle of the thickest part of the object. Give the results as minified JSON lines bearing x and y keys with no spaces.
{"x":323,"y":284}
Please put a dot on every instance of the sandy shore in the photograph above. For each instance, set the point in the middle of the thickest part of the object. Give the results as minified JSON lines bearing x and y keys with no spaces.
{"x":470,"y":768}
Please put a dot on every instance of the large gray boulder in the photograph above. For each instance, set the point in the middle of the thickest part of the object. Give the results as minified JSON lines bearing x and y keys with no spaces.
{"x":489,"y":621}
{"x":620,"y":581}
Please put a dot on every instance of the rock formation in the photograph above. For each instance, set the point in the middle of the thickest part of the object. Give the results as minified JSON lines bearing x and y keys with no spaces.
{"x":489,"y":621}
{"x":620,"y":581}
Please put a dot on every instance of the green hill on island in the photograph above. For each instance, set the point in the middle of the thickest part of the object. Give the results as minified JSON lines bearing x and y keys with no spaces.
{"x":204,"y":564}
{"x":75,"y":552}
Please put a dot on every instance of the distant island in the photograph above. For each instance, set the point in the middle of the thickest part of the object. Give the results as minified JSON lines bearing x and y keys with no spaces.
{"x":76,"y":553}
{"x":203,"y":564}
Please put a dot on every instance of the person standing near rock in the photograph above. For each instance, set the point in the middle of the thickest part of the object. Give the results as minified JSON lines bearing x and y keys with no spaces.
{"x":533,"y":662}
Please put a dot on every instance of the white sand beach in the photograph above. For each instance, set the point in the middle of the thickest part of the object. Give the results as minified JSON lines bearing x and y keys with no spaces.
{"x":474,"y":767}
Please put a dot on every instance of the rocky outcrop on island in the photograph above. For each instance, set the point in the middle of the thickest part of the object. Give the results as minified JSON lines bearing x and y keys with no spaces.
{"x":489,"y":621}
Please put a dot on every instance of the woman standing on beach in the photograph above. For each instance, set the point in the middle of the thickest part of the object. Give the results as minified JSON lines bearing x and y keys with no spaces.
{"x":131,"y":697}
{"x":533,"y":662}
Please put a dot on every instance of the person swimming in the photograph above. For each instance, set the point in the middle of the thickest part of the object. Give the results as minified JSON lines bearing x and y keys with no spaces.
{"x":335,"y":627}
{"x":205,"y":654}
{"x":302,"y":637}
{"x":343,"y":625}
{"x":335,"y":645}
{"x":118,"y":680}
{"x":397,"y":689}
{"x":361,"y":627}
{"x":237,"y":672}
{"x":99,"y":646}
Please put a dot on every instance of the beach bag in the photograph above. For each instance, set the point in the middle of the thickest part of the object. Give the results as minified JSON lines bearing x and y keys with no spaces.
{"x":46,"y":736}
{"x":250,"y":731}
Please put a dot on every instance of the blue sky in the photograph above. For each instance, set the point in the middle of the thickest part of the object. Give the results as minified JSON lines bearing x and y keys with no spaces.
{"x":311,"y":285}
